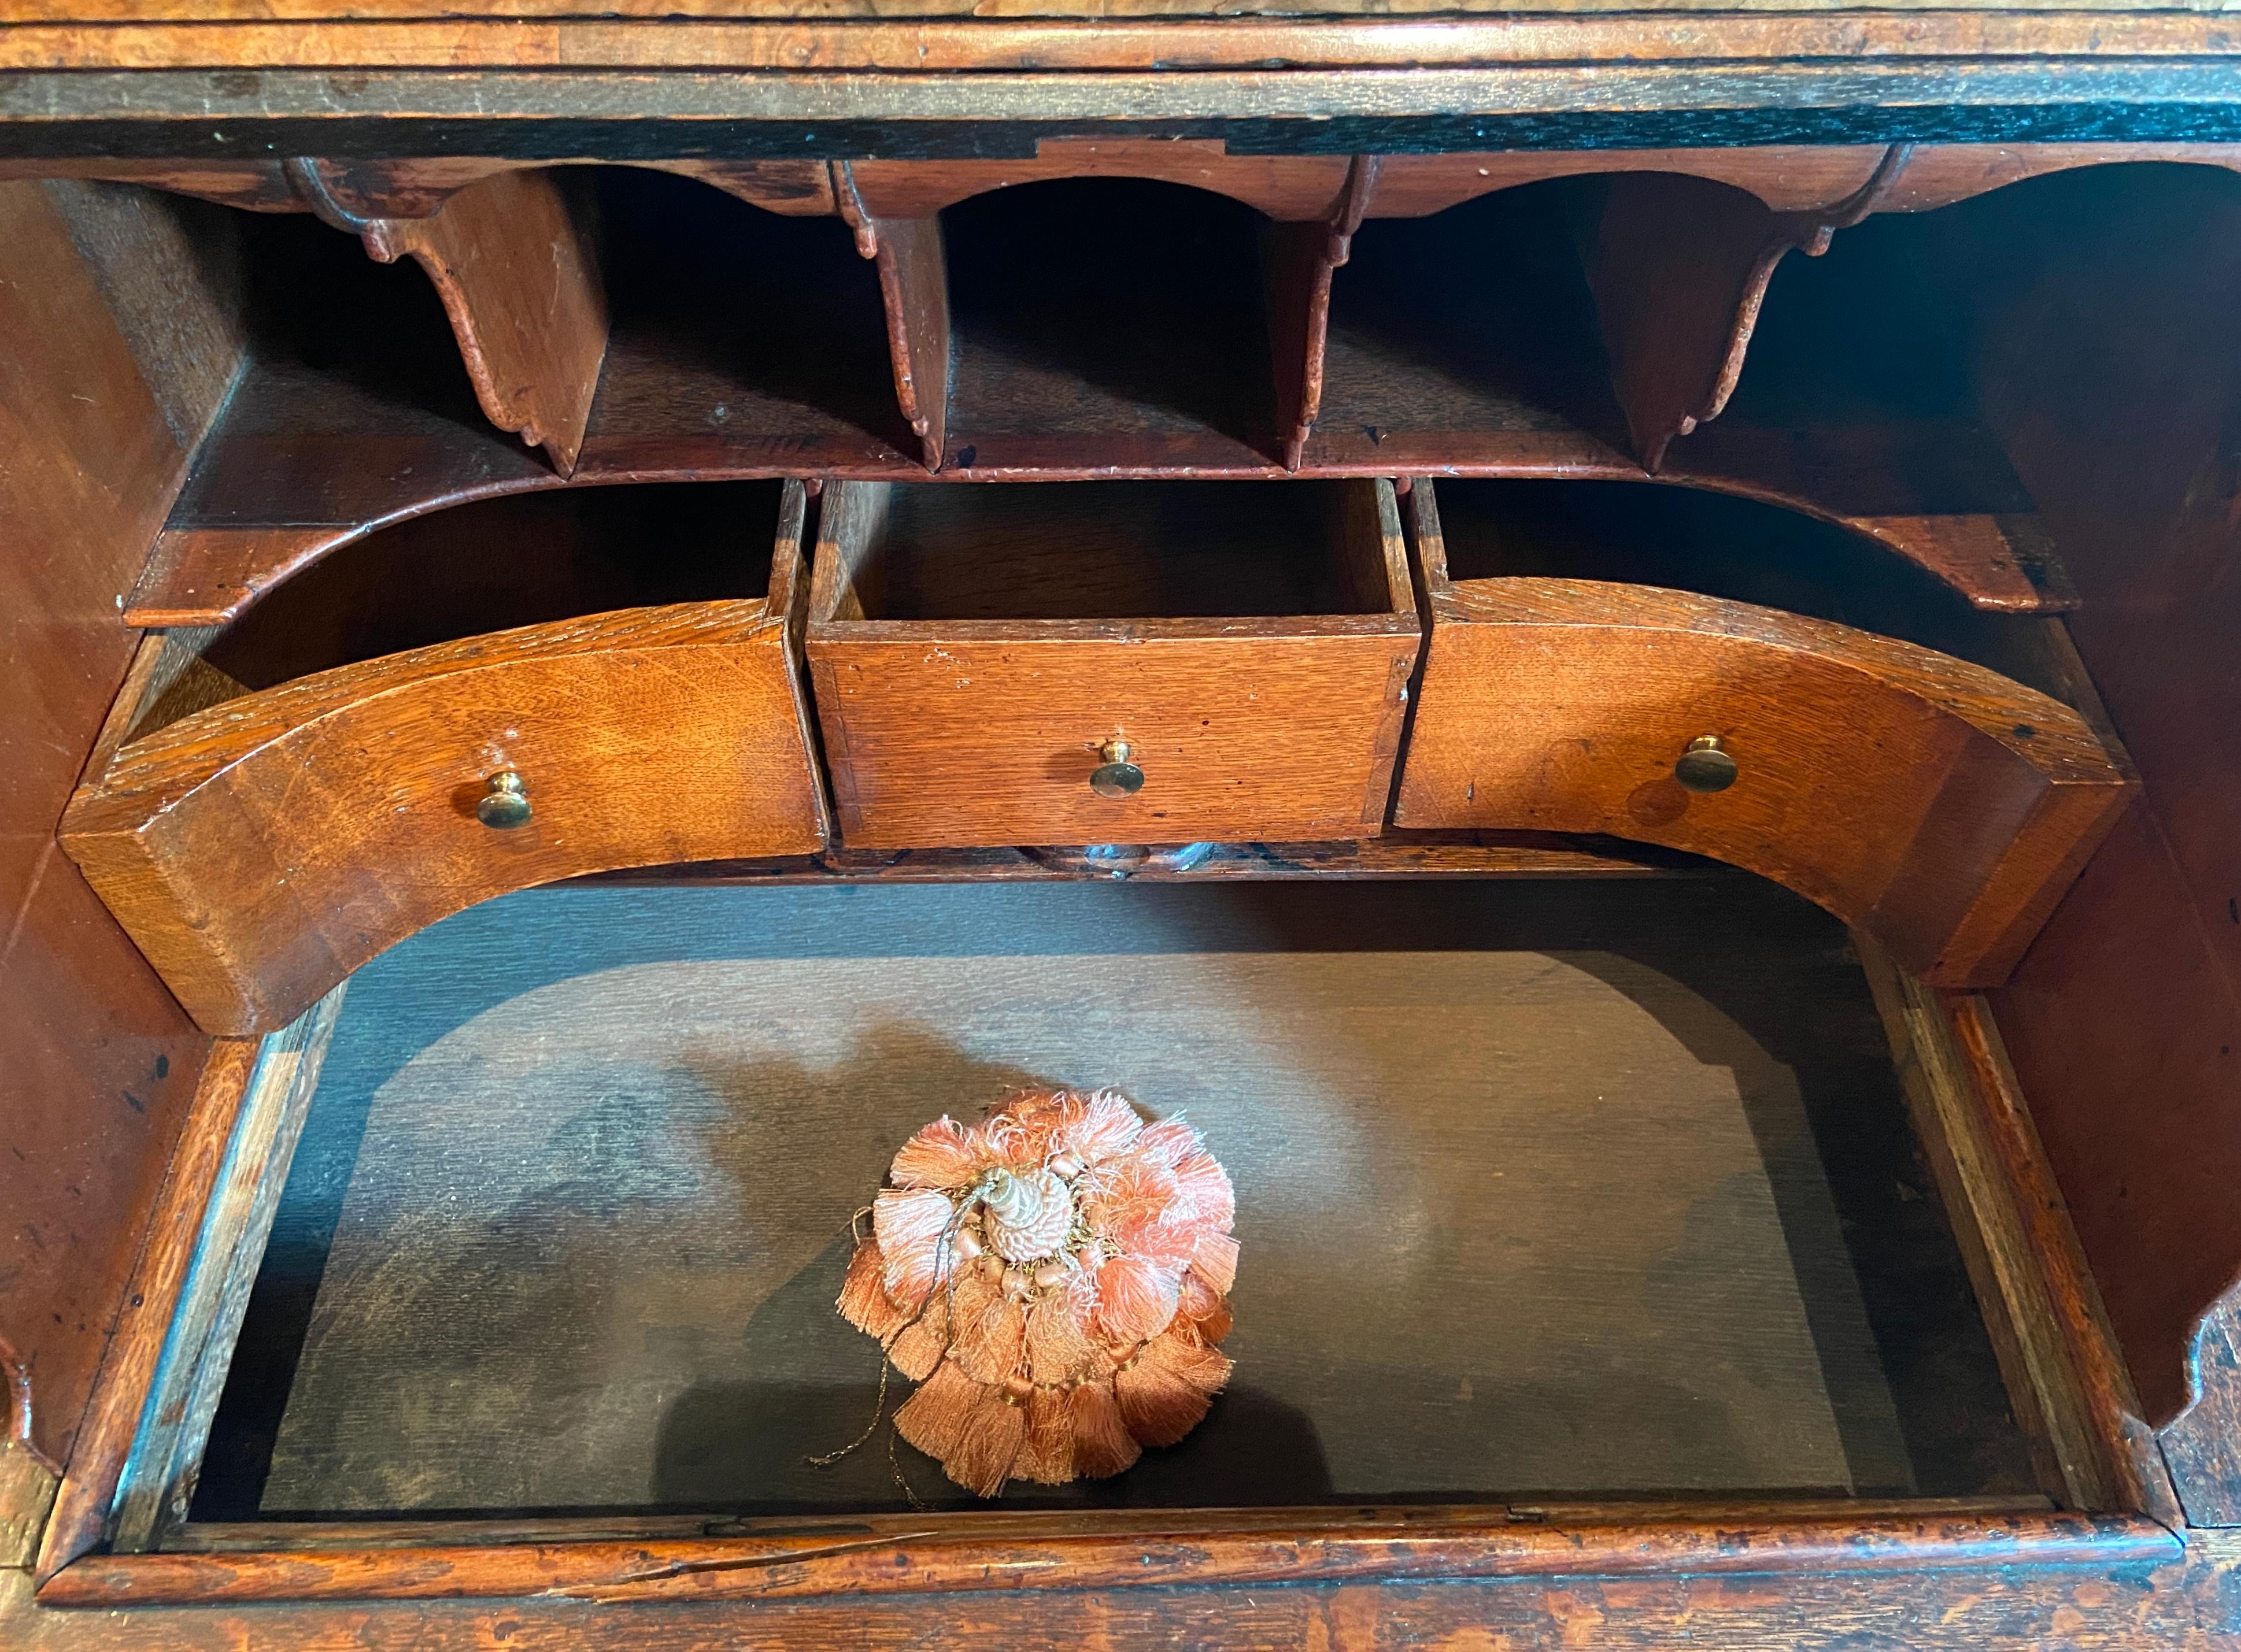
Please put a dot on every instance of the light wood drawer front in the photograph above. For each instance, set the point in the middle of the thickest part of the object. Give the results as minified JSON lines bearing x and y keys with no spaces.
{"x":1935,"y":803}
{"x":965,"y":733}
{"x":262,"y":849}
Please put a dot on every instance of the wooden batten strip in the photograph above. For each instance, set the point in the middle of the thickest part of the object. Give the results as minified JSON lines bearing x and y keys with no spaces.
{"x":916,"y":1564}
{"x":158,"y":1477}
{"x":84,"y":1500}
{"x":2064,"y":1376}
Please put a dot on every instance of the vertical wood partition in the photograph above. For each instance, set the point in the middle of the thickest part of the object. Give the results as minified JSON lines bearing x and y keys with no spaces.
{"x":514,"y":264}
{"x":1679,"y":267}
{"x":914,"y":292}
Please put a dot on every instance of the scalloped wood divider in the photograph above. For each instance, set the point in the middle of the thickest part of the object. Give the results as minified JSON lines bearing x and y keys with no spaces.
{"x":515,"y":266}
{"x":914,"y":292}
{"x":1679,"y":268}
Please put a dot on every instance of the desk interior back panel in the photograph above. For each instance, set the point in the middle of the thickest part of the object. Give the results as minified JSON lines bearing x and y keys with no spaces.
{"x":1560,"y":1188}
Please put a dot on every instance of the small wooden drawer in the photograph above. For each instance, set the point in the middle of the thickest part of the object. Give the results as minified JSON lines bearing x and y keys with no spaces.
{"x":265,"y":827}
{"x":977,"y":651}
{"x":1936,"y":775}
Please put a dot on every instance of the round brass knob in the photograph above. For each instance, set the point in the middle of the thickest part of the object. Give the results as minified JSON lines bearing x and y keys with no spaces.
{"x":1706,"y":766}
{"x":505,"y":804}
{"x":1116,"y":777}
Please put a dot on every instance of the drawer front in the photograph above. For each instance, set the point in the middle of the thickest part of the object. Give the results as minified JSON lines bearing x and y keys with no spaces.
{"x":1934,"y":802}
{"x":260,"y":849}
{"x":971,"y":743}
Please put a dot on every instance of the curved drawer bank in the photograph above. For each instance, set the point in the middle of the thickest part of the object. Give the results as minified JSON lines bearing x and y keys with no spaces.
{"x":1935,"y":803}
{"x":261,"y":850}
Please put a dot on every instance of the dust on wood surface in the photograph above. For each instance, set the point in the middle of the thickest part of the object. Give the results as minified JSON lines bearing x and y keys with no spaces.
{"x":1580,"y":1189}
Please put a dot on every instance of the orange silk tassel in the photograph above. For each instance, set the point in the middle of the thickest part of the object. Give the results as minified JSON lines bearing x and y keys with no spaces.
{"x":1056,"y":1278}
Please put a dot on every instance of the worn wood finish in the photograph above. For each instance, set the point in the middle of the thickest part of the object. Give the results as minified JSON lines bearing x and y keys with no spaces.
{"x":2178,"y":1607}
{"x":82,"y":1504}
{"x":2087,"y":299}
{"x":786,"y":1568}
{"x":649,"y":735}
{"x":100,"y":1062}
{"x":520,"y":282}
{"x":1988,"y":795}
{"x":156,"y":1483}
{"x":974,"y":715}
{"x":1679,"y":268}
{"x":2060,"y":1357}
{"x":1297,"y":264}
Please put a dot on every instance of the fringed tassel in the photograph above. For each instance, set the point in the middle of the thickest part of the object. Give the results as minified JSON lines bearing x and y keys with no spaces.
{"x":1047,"y":1454}
{"x":989,"y":1443}
{"x":1166,"y":1390}
{"x":934,"y":1418}
{"x":1102,"y":1444}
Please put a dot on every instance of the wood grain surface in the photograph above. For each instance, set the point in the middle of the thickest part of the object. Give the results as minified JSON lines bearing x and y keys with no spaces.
{"x":514,"y":263}
{"x":2081,"y":296}
{"x":1563,"y":705}
{"x":973,"y":650}
{"x":262,"y":849}
{"x":100,"y":1062}
{"x":1761,"y":1316}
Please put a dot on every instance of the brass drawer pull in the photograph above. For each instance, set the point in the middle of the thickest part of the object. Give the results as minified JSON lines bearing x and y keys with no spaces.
{"x":1706,"y":766}
{"x":505,"y":804}
{"x":1116,"y":777}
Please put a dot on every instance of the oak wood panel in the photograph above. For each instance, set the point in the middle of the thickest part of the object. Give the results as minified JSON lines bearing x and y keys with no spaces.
{"x":100,"y":1062}
{"x":1561,"y":704}
{"x":657,"y":735}
{"x":520,"y":282}
{"x":650,"y":735}
{"x":945,"y":732}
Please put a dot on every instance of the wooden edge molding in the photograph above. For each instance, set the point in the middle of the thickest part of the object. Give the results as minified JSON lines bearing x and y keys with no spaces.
{"x":2064,"y":1373}
{"x":930,"y":1561}
{"x":113,"y":1417}
{"x":938,"y":39}
{"x":1784,"y":178}
{"x":1679,"y":267}
{"x":157,"y":1481}
{"x":512,"y":257}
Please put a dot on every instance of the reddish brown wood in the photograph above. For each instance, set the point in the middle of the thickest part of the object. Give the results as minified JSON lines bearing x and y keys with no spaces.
{"x":914,"y":292}
{"x":1680,"y":267}
{"x":1937,"y":805}
{"x":81,"y":1507}
{"x":943,"y":727}
{"x":260,"y":849}
{"x":1286,"y":187}
{"x":2092,"y":297}
{"x":1298,"y":261}
{"x":520,"y":282}
{"x":2134,"y":1473}
{"x":99,"y":1062}
{"x":1461,"y":1546}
